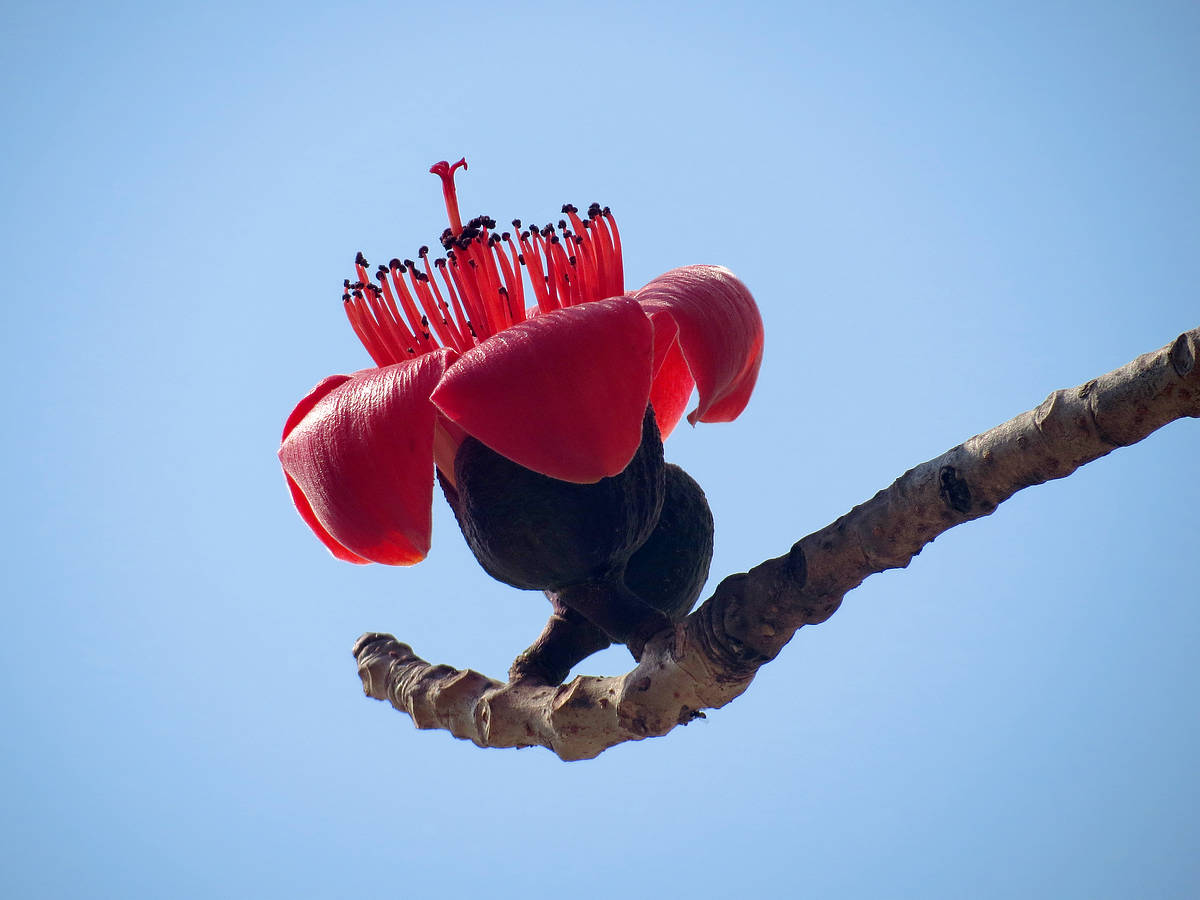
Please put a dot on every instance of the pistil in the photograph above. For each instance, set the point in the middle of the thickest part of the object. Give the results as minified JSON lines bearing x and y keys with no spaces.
{"x":445,"y":171}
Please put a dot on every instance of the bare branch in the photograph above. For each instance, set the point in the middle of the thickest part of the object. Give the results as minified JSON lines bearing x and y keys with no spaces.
{"x":711,"y":656}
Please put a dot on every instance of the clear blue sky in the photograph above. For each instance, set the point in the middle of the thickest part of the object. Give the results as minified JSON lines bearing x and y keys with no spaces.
{"x":945,"y":211}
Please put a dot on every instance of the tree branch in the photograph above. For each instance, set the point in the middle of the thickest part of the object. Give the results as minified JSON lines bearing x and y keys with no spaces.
{"x":712,"y":655}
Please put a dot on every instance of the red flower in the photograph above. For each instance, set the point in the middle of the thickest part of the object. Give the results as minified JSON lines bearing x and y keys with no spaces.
{"x":560,"y":388}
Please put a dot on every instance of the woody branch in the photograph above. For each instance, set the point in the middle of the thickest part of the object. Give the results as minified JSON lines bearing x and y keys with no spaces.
{"x":710,"y":657}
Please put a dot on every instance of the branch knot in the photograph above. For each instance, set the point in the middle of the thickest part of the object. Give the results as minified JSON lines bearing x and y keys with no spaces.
{"x":953,"y":490}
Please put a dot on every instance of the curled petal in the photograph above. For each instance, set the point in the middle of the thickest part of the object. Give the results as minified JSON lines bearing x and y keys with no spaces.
{"x":303,"y":408}
{"x":302,"y":505}
{"x":306,"y":513}
{"x":563,"y":393}
{"x":673,"y":382}
{"x":359,"y":460}
{"x":720,"y":334}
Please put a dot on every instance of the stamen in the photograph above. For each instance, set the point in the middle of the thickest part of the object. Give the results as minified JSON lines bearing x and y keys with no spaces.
{"x":391,"y":322}
{"x":487,"y":278}
{"x":512,"y":277}
{"x":390,"y":330}
{"x":531,"y":260}
{"x":425,"y":297}
{"x":463,"y":277}
{"x":565,"y":268}
{"x":363,"y":337}
{"x":367,"y":330}
{"x":593,"y":259}
{"x":449,"y":320}
{"x":406,"y":303}
{"x":542,"y":252}
{"x":464,"y":324}
{"x":619,"y":275}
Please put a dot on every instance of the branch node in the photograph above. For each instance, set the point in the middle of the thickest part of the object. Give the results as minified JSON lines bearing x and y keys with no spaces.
{"x":953,"y":490}
{"x":795,"y":569}
{"x":720,"y":628}
{"x":1183,"y":354}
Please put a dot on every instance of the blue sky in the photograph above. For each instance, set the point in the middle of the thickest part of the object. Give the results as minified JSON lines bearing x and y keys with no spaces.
{"x":945,"y":211}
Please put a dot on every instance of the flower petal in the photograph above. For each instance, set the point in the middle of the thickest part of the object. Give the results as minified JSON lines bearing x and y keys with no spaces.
{"x":310,"y":519}
{"x":720,"y":334}
{"x":302,"y":505}
{"x":310,"y":400}
{"x":673,"y":382}
{"x":361,"y":459}
{"x":563,"y":393}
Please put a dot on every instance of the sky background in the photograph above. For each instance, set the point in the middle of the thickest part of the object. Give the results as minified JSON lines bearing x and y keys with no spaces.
{"x":945,"y":211}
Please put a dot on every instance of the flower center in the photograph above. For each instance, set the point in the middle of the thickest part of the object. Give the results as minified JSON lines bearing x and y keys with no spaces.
{"x":401,"y":311}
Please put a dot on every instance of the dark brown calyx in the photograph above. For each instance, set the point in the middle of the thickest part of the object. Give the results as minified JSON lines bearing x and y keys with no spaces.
{"x":536,"y":532}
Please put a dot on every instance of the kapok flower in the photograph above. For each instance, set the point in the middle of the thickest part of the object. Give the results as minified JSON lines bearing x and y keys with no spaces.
{"x":560,"y":387}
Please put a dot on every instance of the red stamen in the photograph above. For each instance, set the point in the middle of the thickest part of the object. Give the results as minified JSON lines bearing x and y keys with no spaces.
{"x":369,"y":329}
{"x":553,"y":277}
{"x":361,"y":334}
{"x":397,"y":321}
{"x":411,"y":329}
{"x":568,"y":289}
{"x":516,"y":290}
{"x":512,"y":287}
{"x":385,"y":326}
{"x":596,"y":247}
{"x":618,"y":284}
{"x":495,"y":269}
{"x":434,"y":310}
{"x":464,"y":323}
{"x":589,"y":282}
{"x":419,"y":330}
{"x":477,"y":317}
{"x":585,"y":253}
{"x":537,"y":278}
{"x":475,"y":276}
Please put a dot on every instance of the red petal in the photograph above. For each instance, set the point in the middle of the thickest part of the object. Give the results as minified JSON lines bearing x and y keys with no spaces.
{"x":310,"y":400}
{"x":302,"y":506}
{"x":562,"y":393}
{"x":672,"y":381}
{"x":310,"y":519}
{"x":720,"y":333}
{"x":361,"y":460}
